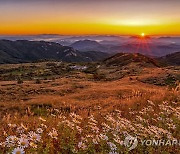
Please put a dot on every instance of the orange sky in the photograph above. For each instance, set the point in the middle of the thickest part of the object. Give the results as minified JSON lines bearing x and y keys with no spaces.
{"x":124,"y":17}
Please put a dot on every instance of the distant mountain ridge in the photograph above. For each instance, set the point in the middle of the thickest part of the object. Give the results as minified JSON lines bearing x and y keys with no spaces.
{"x":147,"y":47}
{"x":29,"y":51}
{"x":86,"y":45}
{"x":153,"y":46}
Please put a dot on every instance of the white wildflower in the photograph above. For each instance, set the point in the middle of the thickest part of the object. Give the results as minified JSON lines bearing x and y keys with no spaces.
{"x":23,"y":143}
{"x":82,"y":145}
{"x":10,"y":141}
{"x":18,"y":151}
{"x":34,"y":136}
{"x":53,"y":134}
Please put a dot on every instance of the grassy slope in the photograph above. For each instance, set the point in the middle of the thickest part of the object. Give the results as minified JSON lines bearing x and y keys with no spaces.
{"x":78,"y":92}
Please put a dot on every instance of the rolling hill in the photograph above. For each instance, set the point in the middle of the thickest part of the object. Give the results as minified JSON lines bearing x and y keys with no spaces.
{"x":122,"y":59}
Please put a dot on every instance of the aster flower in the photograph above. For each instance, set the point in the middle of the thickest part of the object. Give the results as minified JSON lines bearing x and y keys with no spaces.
{"x":18,"y":151}
{"x":23,"y":142}
{"x":10,"y":141}
{"x":33,"y":145}
{"x":53,"y":134}
{"x":34,"y":136}
{"x":82,"y":145}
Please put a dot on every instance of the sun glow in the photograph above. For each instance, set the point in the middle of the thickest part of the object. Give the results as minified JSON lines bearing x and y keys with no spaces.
{"x":110,"y":17}
{"x":142,"y":34}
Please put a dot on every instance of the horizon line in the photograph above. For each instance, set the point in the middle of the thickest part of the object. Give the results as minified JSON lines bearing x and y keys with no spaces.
{"x":164,"y":35}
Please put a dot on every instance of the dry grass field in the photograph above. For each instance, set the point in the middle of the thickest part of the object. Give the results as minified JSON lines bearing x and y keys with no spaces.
{"x":51,"y":108}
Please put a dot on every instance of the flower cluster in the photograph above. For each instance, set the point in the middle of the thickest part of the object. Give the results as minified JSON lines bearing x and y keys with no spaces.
{"x":105,"y":134}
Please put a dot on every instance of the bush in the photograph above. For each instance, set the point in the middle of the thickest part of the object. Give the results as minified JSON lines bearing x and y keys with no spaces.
{"x":98,"y":76}
{"x":91,"y":70}
{"x":38,"y":81}
{"x":19,"y":81}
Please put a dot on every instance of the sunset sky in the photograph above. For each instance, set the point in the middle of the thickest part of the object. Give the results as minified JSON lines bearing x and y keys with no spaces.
{"x":123,"y":17}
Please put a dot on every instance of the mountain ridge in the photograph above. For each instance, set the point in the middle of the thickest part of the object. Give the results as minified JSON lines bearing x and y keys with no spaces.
{"x":28,"y":51}
{"x":86,"y":45}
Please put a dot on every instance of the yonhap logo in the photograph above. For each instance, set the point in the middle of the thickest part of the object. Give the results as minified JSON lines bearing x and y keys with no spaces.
{"x":130,"y":142}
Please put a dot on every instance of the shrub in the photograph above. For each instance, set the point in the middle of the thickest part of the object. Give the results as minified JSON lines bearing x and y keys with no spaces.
{"x":98,"y":76}
{"x":19,"y":81}
{"x":38,"y":81}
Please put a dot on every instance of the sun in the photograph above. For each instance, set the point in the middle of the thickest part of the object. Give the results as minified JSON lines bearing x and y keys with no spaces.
{"x":142,"y":34}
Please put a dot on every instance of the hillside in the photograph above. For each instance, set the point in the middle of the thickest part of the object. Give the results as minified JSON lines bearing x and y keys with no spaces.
{"x":122,"y":59}
{"x":171,"y":59}
{"x":74,"y":103}
{"x":30,"y":51}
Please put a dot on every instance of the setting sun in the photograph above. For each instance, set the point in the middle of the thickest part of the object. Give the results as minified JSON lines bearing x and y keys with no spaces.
{"x":142,"y":34}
